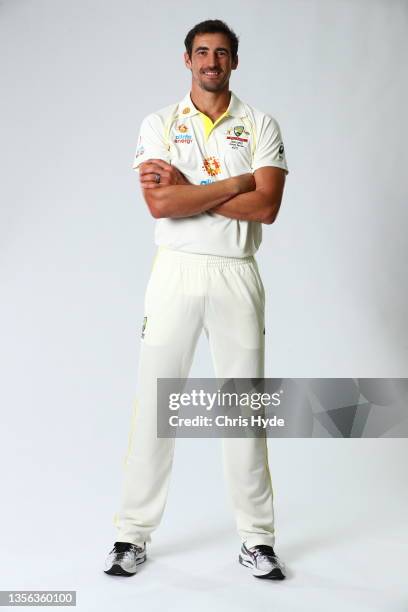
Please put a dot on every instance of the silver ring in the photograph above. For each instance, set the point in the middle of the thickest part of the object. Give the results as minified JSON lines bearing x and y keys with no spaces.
{"x":157,"y":178}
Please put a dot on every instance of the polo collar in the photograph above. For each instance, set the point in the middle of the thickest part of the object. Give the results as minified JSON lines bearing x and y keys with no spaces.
{"x":235,"y":108}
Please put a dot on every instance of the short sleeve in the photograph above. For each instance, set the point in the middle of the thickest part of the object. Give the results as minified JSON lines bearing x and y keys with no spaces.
{"x":269,"y":148}
{"x":151,"y":141}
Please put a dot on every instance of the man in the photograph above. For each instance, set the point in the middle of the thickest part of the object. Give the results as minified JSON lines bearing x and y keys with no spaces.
{"x":212,"y":170}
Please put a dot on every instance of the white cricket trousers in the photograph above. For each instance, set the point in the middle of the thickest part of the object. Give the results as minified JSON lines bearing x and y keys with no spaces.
{"x":187,"y":293}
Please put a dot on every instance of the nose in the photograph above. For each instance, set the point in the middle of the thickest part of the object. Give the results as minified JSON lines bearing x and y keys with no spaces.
{"x":213,"y":59}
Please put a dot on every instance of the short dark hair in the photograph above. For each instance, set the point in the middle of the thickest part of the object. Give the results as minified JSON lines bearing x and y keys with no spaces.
{"x":212,"y":26}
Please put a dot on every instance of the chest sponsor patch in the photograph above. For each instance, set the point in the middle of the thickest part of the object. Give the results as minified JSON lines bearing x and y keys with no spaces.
{"x":211,"y":165}
{"x":182,"y":137}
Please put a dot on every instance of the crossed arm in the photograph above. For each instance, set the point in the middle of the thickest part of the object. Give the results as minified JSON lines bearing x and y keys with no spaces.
{"x":251,"y":197}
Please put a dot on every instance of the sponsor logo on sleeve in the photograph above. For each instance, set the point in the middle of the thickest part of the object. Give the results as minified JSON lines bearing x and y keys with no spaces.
{"x":139,"y":151}
{"x":144,"y":326}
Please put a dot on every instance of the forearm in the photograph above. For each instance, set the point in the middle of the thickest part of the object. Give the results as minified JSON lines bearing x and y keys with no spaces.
{"x":188,"y":200}
{"x":251,"y":206}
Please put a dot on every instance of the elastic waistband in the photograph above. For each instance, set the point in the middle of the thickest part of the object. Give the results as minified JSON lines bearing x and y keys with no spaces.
{"x":202,"y":259}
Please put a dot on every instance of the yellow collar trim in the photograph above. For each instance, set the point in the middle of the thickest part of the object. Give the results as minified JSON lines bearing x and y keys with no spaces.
{"x":208,"y":124}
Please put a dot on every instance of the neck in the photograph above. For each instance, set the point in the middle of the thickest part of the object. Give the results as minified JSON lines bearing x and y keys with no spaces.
{"x":211,"y":103}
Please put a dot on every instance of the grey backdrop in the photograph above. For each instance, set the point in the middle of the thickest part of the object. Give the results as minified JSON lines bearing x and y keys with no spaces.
{"x":76,"y":253}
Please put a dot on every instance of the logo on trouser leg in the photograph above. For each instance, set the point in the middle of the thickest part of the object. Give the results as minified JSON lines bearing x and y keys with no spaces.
{"x":144,"y":326}
{"x":264,"y":331}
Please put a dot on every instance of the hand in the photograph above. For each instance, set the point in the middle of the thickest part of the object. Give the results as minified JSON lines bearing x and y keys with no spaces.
{"x":169,"y":175}
{"x":246,"y":182}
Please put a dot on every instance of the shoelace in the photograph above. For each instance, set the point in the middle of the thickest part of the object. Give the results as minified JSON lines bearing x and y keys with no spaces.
{"x":262,"y":553}
{"x":123,"y":548}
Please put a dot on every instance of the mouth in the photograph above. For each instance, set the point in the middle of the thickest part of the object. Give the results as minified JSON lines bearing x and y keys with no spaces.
{"x":212,"y":74}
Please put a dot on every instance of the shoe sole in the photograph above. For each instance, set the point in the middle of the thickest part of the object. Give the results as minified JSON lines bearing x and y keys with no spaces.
{"x":275,"y":574}
{"x":117,"y":570}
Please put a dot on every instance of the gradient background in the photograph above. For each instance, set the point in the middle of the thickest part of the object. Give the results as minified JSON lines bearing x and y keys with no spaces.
{"x":76,"y":252}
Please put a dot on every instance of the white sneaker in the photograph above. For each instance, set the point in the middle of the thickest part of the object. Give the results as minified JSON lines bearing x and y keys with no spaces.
{"x":263,"y":561}
{"x":124,"y":558}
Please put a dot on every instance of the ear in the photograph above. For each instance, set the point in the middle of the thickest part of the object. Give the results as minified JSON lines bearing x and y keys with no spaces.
{"x":187,"y":60}
{"x":235,"y":64}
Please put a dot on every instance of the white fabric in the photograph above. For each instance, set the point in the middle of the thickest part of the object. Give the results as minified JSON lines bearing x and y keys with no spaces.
{"x":187,"y":293}
{"x":243,"y":141}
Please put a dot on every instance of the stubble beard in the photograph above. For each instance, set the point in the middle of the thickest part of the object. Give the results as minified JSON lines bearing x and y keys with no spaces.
{"x":212,"y":87}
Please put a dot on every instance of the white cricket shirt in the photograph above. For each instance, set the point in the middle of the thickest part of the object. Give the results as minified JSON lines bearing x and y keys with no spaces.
{"x":242,"y":140}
